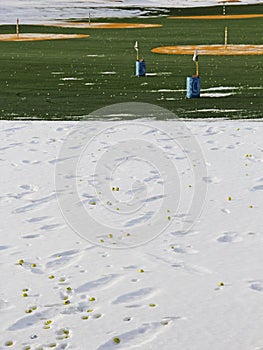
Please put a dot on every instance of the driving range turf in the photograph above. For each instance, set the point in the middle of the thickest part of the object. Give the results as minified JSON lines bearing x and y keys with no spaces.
{"x":68,"y":79}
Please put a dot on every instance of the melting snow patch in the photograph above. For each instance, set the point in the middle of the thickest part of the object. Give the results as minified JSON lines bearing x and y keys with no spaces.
{"x":167,"y":90}
{"x":255,"y":88}
{"x":217,"y":94}
{"x":109,"y":73}
{"x":220,"y":88}
{"x":164,"y":73}
{"x":158,"y":74}
{"x":96,"y":55}
{"x":71,"y":78}
{"x":216,"y":110}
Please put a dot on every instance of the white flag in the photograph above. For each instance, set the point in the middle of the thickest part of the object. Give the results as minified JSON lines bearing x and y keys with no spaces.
{"x":195,"y":57}
{"x":136,"y":46}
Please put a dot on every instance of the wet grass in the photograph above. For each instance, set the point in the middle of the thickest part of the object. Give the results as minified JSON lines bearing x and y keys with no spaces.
{"x":35,"y":76}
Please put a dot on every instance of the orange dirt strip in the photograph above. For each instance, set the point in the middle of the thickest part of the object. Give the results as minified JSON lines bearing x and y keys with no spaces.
{"x":103,"y":25}
{"x":217,"y":17}
{"x":211,"y":50}
{"x":38,"y":36}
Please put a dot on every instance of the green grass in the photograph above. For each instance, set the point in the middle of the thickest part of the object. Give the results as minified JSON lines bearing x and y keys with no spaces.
{"x":30,"y":89}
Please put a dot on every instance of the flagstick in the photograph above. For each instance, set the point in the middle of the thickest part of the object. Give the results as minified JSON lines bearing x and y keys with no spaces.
{"x":226,"y":34}
{"x":196,"y":69}
{"x":89,"y":17}
{"x":195,"y":59}
{"x":136,"y":47}
{"x":17,"y":27}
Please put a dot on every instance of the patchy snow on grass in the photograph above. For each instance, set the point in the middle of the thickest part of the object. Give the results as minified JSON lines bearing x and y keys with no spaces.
{"x":108,"y":73}
{"x":71,"y":78}
{"x":221,"y":88}
{"x":216,"y":94}
{"x":217,"y":110}
{"x":95,"y":55}
{"x":57,"y":73}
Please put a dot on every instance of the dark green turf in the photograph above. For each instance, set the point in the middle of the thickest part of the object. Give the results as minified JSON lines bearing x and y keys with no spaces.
{"x":28,"y":89}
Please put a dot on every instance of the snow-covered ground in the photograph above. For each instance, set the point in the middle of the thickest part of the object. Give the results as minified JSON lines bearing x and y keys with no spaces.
{"x":131,"y":235}
{"x":37,"y":11}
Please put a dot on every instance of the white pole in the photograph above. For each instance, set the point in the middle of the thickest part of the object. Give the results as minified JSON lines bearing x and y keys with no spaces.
{"x":226,"y":35}
{"x":89,"y":17}
{"x":136,"y":47}
{"x":17,"y":27}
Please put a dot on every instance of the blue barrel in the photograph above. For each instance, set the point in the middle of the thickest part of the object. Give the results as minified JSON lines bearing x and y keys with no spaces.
{"x":192,"y":87}
{"x":140,"y":68}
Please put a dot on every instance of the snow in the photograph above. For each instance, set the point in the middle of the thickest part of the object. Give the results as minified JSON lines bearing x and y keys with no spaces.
{"x":178,"y":266}
{"x":217,"y":94}
{"x":43,"y":11}
{"x":209,"y":92}
{"x":107,"y":73}
{"x":71,"y":78}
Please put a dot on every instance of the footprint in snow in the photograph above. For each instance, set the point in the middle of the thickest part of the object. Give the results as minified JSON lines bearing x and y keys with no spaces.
{"x":130,"y":267}
{"x":33,"y":267}
{"x":229,"y":237}
{"x":39,"y":219}
{"x":4,"y":247}
{"x":183,"y":250}
{"x":138,"y":295}
{"x":63,"y":259}
{"x":66,"y":253}
{"x":35,"y":204}
{"x":12,"y":145}
{"x":257,"y":188}
{"x":29,"y":321}
{"x":13,"y":129}
{"x":142,"y":335}
{"x":51,"y":227}
{"x":212,"y":131}
{"x":257,"y":286}
{"x":29,"y":187}
{"x":30,"y":236}
{"x":101,"y":283}
{"x":212,"y":180}
{"x":231,"y":147}
{"x":183,"y":233}
{"x":58,"y":160}
{"x":77,"y":309}
{"x":141,"y":219}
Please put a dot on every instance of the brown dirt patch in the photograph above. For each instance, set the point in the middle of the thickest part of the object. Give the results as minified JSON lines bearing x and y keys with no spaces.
{"x":218,"y":16}
{"x":211,"y":50}
{"x":40,"y":36}
{"x":103,"y":25}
